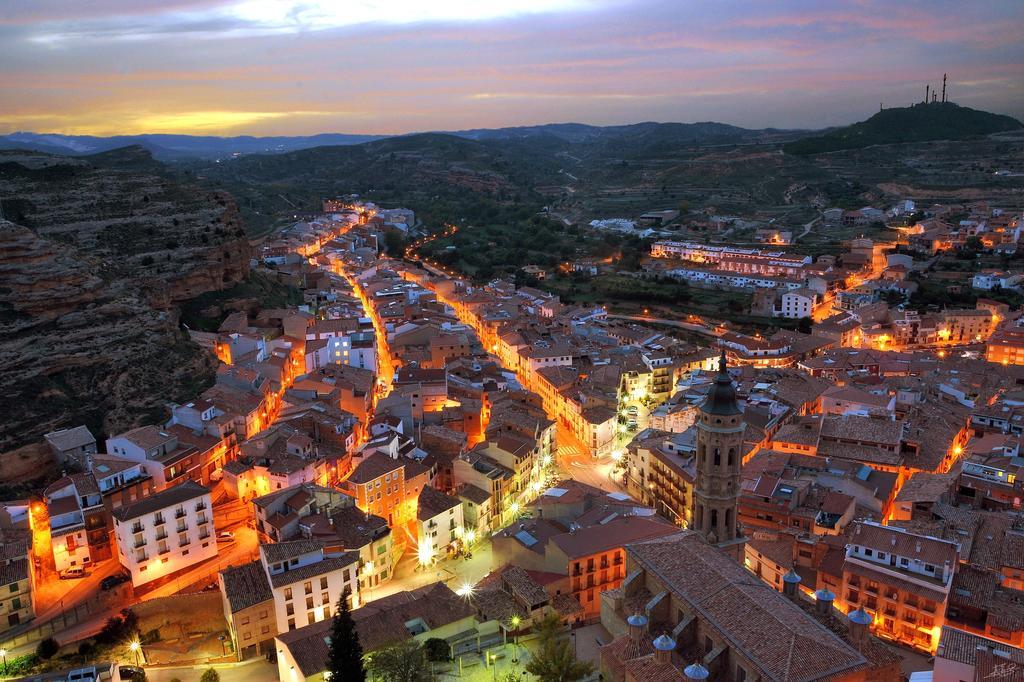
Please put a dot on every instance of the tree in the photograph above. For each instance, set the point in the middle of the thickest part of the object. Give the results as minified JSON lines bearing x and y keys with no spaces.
{"x":804,"y":325}
{"x":210,"y":675}
{"x":402,"y":662}
{"x":345,"y":653}
{"x":556,"y":660}
{"x":437,"y":650}
{"x":47,"y":648}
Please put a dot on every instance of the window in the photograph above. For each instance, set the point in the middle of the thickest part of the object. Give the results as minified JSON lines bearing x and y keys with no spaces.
{"x":311,"y":618}
{"x":323,"y":583}
{"x":245,"y":621}
{"x":291,"y":623}
{"x":307,"y":587}
{"x":287,"y":593}
{"x":289,"y":609}
{"x":247,"y":635}
{"x":263,"y":614}
{"x":325,"y":599}
{"x":265,"y":629}
{"x":868,"y":552}
{"x":309,"y":602}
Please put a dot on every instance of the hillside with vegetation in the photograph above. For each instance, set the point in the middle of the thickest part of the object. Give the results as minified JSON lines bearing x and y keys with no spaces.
{"x":919,"y":123}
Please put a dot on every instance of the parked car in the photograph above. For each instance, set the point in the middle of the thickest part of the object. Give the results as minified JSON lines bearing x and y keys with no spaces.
{"x":112,"y":581}
{"x":633,"y":410}
{"x":632,"y":425}
{"x":226,"y":536}
{"x":72,"y":573}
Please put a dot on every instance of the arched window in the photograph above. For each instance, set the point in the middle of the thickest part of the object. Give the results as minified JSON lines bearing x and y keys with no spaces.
{"x":718,"y":457}
{"x":714,"y":521}
{"x":728,"y":523}
{"x":732,"y":456}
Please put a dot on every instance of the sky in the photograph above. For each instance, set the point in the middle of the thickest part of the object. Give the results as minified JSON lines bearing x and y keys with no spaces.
{"x":294,"y":67}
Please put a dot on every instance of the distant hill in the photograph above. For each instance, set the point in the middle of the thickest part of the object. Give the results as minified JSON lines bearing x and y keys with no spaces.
{"x":919,"y":123}
{"x":632,"y":137}
{"x":175,"y":147}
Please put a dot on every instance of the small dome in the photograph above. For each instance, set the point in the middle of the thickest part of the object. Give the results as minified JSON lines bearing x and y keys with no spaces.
{"x":664,"y":643}
{"x":860,"y":617}
{"x":696,"y":672}
{"x":637,"y":620}
{"x":824,"y":595}
{"x":721,"y":398}
{"x":792,"y":577}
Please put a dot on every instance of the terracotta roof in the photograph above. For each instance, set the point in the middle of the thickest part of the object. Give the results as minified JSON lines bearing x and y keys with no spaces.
{"x":863,"y":571}
{"x":373,"y":467}
{"x":275,"y":552}
{"x":246,"y":585}
{"x":898,"y":541}
{"x":433,"y":502}
{"x":327,"y":565}
{"x":618,"y":532}
{"x":963,"y":647}
{"x":355,"y":528}
{"x":13,"y":571}
{"x":763,"y":625}
{"x":183,"y":492}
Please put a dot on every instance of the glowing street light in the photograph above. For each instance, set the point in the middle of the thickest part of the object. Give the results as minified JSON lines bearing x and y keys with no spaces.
{"x":425,"y":554}
{"x":134,"y":647}
{"x":465,"y":591}
{"x":469,"y":536}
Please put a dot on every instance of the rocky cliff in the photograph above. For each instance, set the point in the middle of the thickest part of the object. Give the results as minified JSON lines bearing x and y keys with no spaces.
{"x":95,"y":255}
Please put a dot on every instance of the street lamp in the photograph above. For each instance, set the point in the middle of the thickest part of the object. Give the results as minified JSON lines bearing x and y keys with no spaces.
{"x":3,"y":654}
{"x":134,"y":648}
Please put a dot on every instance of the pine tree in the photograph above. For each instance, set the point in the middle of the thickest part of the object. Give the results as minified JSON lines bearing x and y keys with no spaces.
{"x":345,"y":654}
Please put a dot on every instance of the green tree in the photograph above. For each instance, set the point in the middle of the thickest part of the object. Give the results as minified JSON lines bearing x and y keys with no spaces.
{"x":47,"y":648}
{"x":556,"y":661}
{"x":345,"y":653}
{"x":437,"y":650}
{"x":402,"y":662}
{"x":210,"y":675}
{"x":804,"y":325}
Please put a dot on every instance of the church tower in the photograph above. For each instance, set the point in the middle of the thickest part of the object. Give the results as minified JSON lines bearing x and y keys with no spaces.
{"x":719,"y":451}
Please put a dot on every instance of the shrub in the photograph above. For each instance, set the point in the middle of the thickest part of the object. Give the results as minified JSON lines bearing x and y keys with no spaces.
{"x":47,"y":648}
{"x":210,"y":675}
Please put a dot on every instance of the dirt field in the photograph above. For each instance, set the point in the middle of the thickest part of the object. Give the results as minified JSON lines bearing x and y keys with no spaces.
{"x":27,"y":463}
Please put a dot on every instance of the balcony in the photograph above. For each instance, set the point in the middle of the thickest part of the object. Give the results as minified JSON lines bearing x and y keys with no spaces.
{"x":184,"y":543}
{"x":182,"y":527}
{"x":139,"y":543}
{"x":158,"y":521}
{"x":141,"y":556}
{"x":180,"y":514}
{"x":163,"y":550}
{"x":201,"y":506}
{"x":161,"y":535}
{"x":137,"y":528}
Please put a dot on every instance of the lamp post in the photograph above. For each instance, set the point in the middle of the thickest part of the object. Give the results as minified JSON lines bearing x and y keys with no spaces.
{"x":514,"y":622}
{"x":134,"y":648}
{"x":3,"y":654}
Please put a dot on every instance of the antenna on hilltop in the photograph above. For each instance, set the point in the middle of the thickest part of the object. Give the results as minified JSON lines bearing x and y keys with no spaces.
{"x":944,"y":88}
{"x":926,"y":93}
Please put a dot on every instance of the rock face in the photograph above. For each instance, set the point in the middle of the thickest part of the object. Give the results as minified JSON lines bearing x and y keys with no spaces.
{"x":93,"y":262}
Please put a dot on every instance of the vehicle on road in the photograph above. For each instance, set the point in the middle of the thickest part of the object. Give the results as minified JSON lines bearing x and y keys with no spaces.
{"x":632,"y":425}
{"x":72,"y":573}
{"x":226,"y":536}
{"x":112,"y":581}
{"x":632,"y":410}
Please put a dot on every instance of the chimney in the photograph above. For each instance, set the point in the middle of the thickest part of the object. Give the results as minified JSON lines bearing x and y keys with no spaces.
{"x":823,"y":601}
{"x":859,"y":622}
{"x":637,"y":626}
{"x":790,"y":583}
{"x":663,"y":648}
{"x":696,"y":672}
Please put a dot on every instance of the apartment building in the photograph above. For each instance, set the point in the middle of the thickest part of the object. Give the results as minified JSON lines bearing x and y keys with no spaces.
{"x":306,"y":581}
{"x":387,"y":487}
{"x":661,"y":470}
{"x":16,"y":601}
{"x":901,"y":579}
{"x":166,"y":532}
{"x":439,"y":525}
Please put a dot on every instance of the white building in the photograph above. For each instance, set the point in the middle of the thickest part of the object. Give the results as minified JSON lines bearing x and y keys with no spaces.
{"x":439,"y":524}
{"x":165,"y":532}
{"x":995,"y":279}
{"x":307,"y":581}
{"x":796,"y":304}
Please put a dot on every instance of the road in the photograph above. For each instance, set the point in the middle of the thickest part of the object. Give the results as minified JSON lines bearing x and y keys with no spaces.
{"x":689,"y":326}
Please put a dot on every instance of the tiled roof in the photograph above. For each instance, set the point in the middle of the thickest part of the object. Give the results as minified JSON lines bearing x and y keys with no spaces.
{"x":275,"y":552}
{"x":355,"y":528}
{"x":433,"y":502}
{"x":246,"y":585}
{"x":183,"y":492}
{"x":327,"y":565}
{"x":373,"y":467}
{"x":763,"y":625}
{"x":13,"y":571}
{"x":962,"y":647}
{"x":70,"y":439}
{"x":901,"y":543}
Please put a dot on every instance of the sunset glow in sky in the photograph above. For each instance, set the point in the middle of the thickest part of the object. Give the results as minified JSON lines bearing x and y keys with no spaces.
{"x":289,"y":67}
